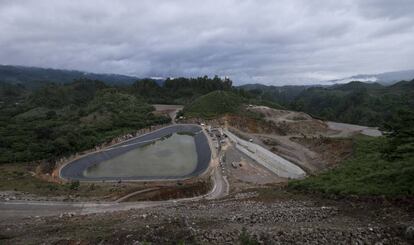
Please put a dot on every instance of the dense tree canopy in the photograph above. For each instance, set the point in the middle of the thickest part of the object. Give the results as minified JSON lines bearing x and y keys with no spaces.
{"x":400,"y":136}
{"x":61,"y":119}
{"x":354,"y":102}
{"x":179,"y":90}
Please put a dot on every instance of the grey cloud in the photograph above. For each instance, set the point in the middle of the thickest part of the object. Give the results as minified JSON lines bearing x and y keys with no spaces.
{"x":274,"y":42}
{"x":387,"y":9}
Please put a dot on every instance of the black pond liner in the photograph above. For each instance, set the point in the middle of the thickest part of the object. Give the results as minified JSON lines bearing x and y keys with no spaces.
{"x":74,"y":170}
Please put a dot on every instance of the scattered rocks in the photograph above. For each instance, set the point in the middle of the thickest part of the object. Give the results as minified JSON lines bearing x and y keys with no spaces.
{"x":409,"y":233}
{"x":226,"y":222}
{"x":246,"y":195}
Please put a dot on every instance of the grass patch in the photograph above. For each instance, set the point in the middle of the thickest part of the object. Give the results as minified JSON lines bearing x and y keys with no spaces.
{"x":365,"y":173}
{"x":246,"y":239}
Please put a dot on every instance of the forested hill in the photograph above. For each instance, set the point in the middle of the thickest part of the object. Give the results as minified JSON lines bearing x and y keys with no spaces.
{"x":60,"y":119}
{"x":214,"y":104}
{"x":369,"y":104}
{"x":34,"y":77}
{"x":282,"y":95}
{"x":357,"y":102}
{"x":179,"y":90}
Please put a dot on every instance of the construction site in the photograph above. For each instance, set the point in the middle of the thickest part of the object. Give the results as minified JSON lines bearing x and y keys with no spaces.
{"x":236,"y":190}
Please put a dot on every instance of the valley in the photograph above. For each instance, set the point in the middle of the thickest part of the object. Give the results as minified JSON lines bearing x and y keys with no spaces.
{"x":226,"y":167}
{"x":206,"y":122}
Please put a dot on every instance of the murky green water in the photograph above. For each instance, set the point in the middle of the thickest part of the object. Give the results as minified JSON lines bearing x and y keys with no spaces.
{"x":174,"y":155}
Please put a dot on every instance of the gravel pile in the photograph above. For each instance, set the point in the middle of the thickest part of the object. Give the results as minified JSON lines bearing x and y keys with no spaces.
{"x":231,"y":221}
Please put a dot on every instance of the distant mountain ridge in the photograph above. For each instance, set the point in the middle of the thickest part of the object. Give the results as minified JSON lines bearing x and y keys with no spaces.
{"x":386,"y":78}
{"x":35,"y":76}
{"x":282,"y":95}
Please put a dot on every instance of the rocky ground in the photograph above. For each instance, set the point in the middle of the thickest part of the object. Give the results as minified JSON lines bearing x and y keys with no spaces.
{"x":263,"y":217}
{"x":243,"y":172}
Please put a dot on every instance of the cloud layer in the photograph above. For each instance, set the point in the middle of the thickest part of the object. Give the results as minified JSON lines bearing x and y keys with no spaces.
{"x":272,"y":42}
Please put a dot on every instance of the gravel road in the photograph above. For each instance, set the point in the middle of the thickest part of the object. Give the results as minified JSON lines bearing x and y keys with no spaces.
{"x":21,"y":209}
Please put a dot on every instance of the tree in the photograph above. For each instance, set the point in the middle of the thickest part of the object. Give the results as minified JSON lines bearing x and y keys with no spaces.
{"x":146,"y":87}
{"x":400,"y":134}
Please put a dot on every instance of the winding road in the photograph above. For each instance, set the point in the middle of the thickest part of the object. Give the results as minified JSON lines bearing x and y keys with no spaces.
{"x":21,"y":209}
{"x":15,"y":209}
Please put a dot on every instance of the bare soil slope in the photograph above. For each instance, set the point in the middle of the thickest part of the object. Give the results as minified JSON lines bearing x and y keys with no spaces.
{"x":311,"y":143}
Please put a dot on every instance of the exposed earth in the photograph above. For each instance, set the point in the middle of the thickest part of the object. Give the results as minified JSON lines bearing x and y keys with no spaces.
{"x":312,"y":144}
{"x":269,"y":217}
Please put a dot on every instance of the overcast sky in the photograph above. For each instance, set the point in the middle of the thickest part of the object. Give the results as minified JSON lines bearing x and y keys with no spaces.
{"x":272,"y":42}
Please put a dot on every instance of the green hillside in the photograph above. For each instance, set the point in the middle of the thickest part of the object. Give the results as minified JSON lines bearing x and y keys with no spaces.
{"x":356,"y":102}
{"x":282,"y":95}
{"x":57,"y":120}
{"x":369,"y":104}
{"x":214,"y":104}
{"x":366,"y":173}
{"x":180,"y":90}
{"x":378,"y":166}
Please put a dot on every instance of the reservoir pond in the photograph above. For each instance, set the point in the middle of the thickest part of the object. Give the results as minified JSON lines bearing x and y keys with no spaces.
{"x":170,"y":156}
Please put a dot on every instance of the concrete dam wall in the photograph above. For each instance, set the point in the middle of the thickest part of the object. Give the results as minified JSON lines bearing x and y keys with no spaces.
{"x":268,"y":159}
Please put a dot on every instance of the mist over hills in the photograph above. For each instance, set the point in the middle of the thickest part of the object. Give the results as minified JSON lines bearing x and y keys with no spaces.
{"x":386,"y":78}
{"x":33,"y":77}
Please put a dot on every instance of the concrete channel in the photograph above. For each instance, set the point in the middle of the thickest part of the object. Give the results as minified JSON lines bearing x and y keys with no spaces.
{"x":278,"y":165}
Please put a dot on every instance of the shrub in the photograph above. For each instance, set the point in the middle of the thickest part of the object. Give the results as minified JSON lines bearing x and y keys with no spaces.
{"x":74,"y":185}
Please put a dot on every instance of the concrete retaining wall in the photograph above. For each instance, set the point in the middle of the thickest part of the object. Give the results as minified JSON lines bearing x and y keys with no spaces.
{"x":268,"y":159}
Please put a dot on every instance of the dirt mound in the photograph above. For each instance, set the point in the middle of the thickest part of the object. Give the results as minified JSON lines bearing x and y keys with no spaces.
{"x":254,"y":126}
{"x":308,"y":127}
{"x":331,"y":151}
{"x":291,"y":122}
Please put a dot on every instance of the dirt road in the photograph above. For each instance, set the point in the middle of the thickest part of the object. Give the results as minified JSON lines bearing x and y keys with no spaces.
{"x":14,"y":209}
{"x":20,"y":209}
{"x":268,"y":217}
{"x":346,"y":130}
{"x":171,"y":110}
